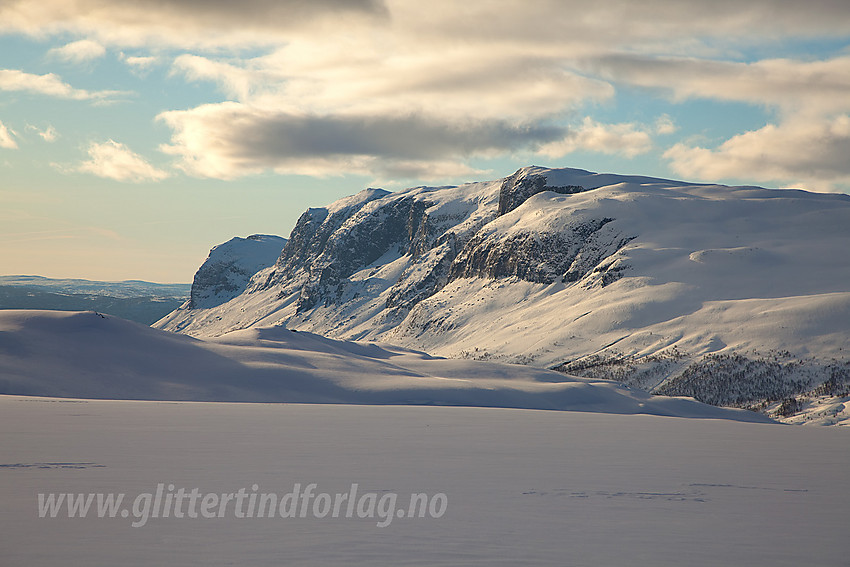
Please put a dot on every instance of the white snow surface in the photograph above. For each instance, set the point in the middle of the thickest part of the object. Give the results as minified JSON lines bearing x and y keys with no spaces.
{"x":711,"y":269}
{"x":88,"y":355}
{"x":523,"y":487}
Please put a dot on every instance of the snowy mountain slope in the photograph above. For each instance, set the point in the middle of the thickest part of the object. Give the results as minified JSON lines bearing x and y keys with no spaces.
{"x":229,"y":267}
{"x":87,"y":355}
{"x":637,"y":279}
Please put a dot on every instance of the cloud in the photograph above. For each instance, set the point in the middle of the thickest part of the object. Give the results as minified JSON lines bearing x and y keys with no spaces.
{"x":806,"y":146}
{"x":618,"y":23}
{"x":181,"y":23}
{"x":399,"y":87}
{"x":114,"y":160}
{"x":48,"y":85}
{"x":6,"y":139}
{"x":664,"y":125}
{"x":49,"y":134}
{"x":808,"y":153}
{"x":375,"y":108}
{"x":553,"y":23}
{"x":475,"y":64}
{"x":79,"y":51}
{"x":236,"y":81}
{"x":377,"y":78}
{"x":140,"y":62}
{"x":232,"y":139}
{"x":810,"y":86}
{"x":626,"y":139}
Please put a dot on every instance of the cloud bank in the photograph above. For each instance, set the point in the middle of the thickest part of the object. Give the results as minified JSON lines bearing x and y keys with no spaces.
{"x":182,"y":23}
{"x":810,"y":153}
{"x":400,"y":88}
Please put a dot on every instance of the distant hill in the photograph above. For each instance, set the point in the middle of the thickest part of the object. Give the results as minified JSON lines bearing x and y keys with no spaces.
{"x":139,"y":301}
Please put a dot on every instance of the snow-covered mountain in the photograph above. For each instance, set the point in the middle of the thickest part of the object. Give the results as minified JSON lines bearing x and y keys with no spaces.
{"x":229,"y":267}
{"x":734,"y":295}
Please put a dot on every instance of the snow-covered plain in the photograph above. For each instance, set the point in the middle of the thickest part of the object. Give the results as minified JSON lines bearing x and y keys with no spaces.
{"x":523,"y":487}
{"x":615,"y":481}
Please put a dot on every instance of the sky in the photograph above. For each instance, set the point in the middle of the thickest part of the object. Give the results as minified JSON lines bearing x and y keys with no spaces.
{"x":134,"y":136}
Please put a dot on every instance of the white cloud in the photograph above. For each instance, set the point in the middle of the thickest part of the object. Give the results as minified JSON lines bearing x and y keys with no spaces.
{"x":809,"y":142}
{"x":6,"y":139}
{"x":140,"y":62}
{"x":114,"y":160}
{"x":664,"y":125}
{"x":237,"y":82}
{"x":377,"y":78}
{"x":808,"y":153}
{"x":79,"y":51}
{"x":48,"y":85}
{"x":793,"y":86}
{"x":626,"y":139}
{"x":49,"y":134}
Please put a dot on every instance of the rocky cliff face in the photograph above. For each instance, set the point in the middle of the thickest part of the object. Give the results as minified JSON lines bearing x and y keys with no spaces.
{"x":517,"y":188}
{"x":229,"y":267}
{"x":326,"y":248}
{"x":545,"y":257}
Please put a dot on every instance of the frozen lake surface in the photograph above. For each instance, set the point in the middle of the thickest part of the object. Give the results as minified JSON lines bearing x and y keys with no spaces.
{"x":523,"y":487}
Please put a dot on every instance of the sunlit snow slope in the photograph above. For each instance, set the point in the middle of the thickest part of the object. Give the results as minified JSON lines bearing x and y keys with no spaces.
{"x":87,"y":355}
